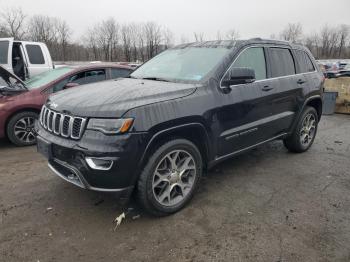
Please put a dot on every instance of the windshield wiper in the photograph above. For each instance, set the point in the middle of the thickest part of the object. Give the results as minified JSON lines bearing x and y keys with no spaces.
{"x":155,"y":79}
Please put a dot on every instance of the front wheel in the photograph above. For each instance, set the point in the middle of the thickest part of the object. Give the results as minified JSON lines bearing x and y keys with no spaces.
{"x":170,"y":177}
{"x":20,"y":129}
{"x":304,"y":134}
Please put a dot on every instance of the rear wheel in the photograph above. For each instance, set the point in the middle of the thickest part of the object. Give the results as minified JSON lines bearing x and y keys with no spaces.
{"x":305,"y":132}
{"x":20,"y":129}
{"x":170,"y":177}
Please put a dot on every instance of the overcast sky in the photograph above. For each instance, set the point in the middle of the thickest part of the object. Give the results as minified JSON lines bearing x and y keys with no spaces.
{"x":251,"y":18}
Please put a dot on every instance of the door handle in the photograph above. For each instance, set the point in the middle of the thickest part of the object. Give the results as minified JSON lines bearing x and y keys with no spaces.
{"x":301,"y":81}
{"x":267,"y":88}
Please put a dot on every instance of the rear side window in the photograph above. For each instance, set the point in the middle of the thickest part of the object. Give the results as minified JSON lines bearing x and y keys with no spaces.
{"x":89,"y":77}
{"x":282,"y":63}
{"x":253,"y":58}
{"x":304,"y":62}
{"x":4,"y":49}
{"x":35,"y":54}
{"x":119,"y":72}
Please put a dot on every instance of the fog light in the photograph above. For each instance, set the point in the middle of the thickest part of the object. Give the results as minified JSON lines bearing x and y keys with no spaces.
{"x":99,"y":163}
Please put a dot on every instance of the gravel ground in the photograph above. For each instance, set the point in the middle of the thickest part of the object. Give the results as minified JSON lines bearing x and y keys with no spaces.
{"x":265,"y":205}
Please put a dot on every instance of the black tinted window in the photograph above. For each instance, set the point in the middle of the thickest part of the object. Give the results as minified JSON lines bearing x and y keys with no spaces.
{"x":60,"y":85}
{"x":282,"y":63}
{"x":89,"y":77}
{"x":35,"y":54}
{"x":119,"y":72}
{"x":4,"y":49}
{"x":253,"y":58}
{"x":304,"y":62}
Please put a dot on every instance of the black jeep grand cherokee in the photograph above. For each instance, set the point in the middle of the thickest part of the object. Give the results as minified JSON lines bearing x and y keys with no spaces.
{"x":183,"y":111}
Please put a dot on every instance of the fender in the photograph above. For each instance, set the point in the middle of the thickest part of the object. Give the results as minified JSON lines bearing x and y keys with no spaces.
{"x":302,"y":108}
{"x":208,"y":146}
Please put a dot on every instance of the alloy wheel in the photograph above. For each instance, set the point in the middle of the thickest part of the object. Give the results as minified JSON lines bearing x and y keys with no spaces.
{"x":308,"y":130}
{"x":174,"y":177}
{"x":24,"y":130}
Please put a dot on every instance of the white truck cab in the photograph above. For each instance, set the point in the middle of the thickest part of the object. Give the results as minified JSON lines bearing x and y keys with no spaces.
{"x":24,"y":59}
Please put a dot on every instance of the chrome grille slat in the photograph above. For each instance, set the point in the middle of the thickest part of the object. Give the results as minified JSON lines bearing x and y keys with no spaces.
{"x":62,"y":124}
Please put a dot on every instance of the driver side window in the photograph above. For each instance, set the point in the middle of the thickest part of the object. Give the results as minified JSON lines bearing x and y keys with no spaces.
{"x":253,"y":58}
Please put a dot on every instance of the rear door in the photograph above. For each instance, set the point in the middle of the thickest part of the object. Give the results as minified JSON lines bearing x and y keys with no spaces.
{"x":6,"y":45}
{"x":38,"y":59}
{"x":307,"y":68}
{"x":285,"y":88}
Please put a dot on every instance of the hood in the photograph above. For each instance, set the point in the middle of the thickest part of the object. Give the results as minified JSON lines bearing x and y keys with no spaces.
{"x":114,"y":98}
{"x":10,"y":84}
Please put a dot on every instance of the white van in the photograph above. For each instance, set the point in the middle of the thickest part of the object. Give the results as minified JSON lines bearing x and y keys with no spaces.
{"x":23,"y":58}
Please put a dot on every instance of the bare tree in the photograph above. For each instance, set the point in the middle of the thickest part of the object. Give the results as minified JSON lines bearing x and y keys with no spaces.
{"x":292,"y":33}
{"x":232,"y":34}
{"x":63,"y":35}
{"x":3,"y":31}
{"x":126,"y":37}
{"x":153,"y":36}
{"x":218,"y":35}
{"x":91,"y":43}
{"x":344,"y":32}
{"x":312,"y":42}
{"x":198,"y":37}
{"x":42,"y":29}
{"x":13,"y":21}
{"x":168,"y":38}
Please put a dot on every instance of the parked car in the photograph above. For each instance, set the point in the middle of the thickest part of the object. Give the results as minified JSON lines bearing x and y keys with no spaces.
{"x":345,"y":71}
{"x":183,"y":111}
{"x":24,"y":59}
{"x":332,"y":70}
{"x":21,"y":102}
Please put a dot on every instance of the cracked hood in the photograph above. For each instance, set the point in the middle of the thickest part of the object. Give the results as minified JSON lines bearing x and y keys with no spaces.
{"x":114,"y":98}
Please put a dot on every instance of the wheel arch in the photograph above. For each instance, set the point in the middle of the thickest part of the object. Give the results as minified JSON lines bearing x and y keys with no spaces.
{"x":315,"y":102}
{"x":194,"y":132}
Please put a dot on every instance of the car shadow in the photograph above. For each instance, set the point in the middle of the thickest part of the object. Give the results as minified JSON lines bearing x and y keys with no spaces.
{"x":5,"y":143}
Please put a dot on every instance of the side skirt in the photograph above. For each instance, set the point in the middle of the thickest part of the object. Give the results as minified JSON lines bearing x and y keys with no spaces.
{"x":224,"y":157}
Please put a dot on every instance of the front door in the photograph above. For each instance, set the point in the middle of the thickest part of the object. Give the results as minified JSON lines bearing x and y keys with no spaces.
{"x":246,"y":109}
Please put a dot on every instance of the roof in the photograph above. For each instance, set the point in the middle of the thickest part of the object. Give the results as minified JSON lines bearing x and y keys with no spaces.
{"x":234,"y":43}
{"x":96,"y":66}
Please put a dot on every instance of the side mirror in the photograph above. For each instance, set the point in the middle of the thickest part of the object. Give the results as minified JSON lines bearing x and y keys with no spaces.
{"x":238,"y":76}
{"x":70,"y":85}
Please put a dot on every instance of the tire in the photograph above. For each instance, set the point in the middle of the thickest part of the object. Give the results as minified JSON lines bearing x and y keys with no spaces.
{"x":294,"y":142}
{"x":20,"y":128}
{"x":153,"y":187}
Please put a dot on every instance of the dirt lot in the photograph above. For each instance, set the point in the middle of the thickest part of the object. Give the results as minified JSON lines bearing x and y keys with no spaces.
{"x":265,"y":205}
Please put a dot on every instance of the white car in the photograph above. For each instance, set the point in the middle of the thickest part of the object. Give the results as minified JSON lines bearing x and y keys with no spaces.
{"x":24,"y":59}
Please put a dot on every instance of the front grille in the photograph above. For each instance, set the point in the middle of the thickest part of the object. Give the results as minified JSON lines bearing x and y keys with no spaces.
{"x":62,"y":124}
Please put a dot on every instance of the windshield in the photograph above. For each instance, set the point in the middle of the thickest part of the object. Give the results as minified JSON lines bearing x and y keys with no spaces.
{"x":187,"y":64}
{"x":46,"y":77}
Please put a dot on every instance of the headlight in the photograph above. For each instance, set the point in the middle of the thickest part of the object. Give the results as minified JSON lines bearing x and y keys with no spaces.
{"x":110,"y":126}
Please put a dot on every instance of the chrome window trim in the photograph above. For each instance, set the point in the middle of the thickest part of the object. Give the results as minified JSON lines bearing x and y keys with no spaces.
{"x":266,"y":79}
